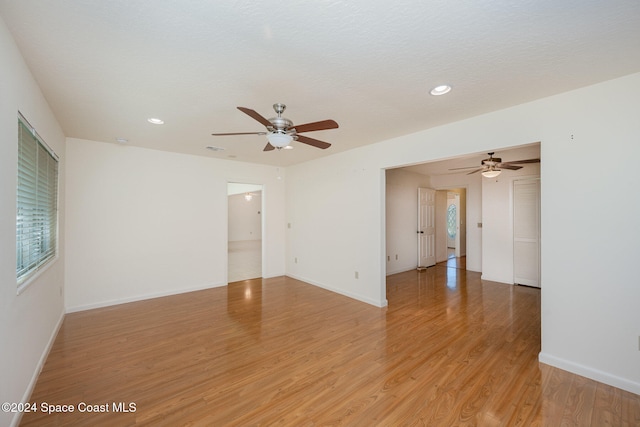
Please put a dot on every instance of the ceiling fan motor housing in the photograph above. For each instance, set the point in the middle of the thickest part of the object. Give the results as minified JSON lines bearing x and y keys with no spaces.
{"x":280,"y":124}
{"x":491,"y":161}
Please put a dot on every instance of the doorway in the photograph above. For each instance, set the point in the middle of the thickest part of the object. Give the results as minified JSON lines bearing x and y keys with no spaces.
{"x":451,"y":227}
{"x":244,"y":233}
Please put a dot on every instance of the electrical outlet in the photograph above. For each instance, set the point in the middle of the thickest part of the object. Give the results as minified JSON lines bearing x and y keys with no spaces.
{"x":295,"y":260}
{"x":396,"y":257}
{"x":357,"y":276}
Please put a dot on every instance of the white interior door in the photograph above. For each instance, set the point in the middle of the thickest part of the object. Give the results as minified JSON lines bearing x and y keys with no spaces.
{"x":526,"y":232}
{"x":426,"y":227}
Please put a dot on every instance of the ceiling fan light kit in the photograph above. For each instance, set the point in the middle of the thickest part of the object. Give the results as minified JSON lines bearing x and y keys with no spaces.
{"x":279,"y":139}
{"x":491,"y":173}
{"x":280,"y":131}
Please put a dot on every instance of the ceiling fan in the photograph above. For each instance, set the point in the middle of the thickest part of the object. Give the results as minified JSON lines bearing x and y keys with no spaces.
{"x":281,"y":131}
{"x":492,"y":166}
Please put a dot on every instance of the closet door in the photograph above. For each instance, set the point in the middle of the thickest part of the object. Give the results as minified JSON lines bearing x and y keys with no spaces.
{"x":526,"y":232}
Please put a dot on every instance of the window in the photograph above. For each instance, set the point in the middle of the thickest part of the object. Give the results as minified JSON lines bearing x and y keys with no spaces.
{"x":37,"y":203}
{"x":451,"y":221}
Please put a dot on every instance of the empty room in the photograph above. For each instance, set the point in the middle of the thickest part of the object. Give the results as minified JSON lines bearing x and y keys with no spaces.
{"x":438,"y":201}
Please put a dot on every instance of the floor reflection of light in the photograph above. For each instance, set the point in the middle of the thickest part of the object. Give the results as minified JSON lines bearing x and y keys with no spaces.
{"x":452,"y":278}
{"x":247,"y":293}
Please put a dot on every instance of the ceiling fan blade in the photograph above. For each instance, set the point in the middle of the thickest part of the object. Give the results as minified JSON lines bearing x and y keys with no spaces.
{"x":523,"y":161}
{"x":239,"y":133}
{"x":508,"y":166}
{"x":477,"y":170}
{"x":466,"y":167}
{"x":310,"y":127}
{"x":313,"y":142}
{"x":269,"y":147}
{"x":254,"y":115}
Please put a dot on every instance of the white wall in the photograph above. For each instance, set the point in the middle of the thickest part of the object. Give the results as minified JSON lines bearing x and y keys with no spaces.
{"x":462,"y":219}
{"x":590,"y":315}
{"x":29,"y":321}
{"x":245,"y":217}
{"x":145,"y":223}
{"x":590,"y":318}
{"x":402,"y":219}
{"x":335,"y":209}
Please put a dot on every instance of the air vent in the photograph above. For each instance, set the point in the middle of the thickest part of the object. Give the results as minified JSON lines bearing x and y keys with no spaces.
{"x":213,"y":148}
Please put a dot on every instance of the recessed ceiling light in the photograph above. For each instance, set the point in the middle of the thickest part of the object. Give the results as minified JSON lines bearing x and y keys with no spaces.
{"x":440,"y":90}
{"x":155,"y":121}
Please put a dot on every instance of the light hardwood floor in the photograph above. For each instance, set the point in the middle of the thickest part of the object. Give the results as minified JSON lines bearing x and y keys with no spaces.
{"x":449,"y":350}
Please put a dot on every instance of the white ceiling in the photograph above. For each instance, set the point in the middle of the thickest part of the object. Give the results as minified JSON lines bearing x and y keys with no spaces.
{"x":106,"y":66}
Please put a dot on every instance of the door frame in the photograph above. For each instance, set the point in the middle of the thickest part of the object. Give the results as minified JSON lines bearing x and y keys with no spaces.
{"x":462,"y":225}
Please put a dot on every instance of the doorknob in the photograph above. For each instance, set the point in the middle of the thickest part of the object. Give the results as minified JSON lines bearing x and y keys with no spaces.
{"x":421,"y":232}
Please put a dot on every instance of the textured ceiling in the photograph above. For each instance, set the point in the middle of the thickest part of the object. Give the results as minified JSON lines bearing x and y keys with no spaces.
{"x":106,"y":66}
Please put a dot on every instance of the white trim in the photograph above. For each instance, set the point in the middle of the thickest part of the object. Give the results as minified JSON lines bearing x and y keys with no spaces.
{"x":588,"y":372}
{"x":143,"y":297}
{"x":400,"y":270}
{"x":36,"y":373}
{"x":31,"y":277}
{"x":492,"y":279}
{"x":35,"y":133}
{"x":351,"y":295}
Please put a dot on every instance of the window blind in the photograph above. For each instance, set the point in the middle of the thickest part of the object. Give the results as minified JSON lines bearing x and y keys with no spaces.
{"x":37,"y":202}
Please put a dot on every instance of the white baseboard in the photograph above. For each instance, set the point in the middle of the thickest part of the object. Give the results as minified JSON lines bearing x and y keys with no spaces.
{"x":36,"y":373}
{"x":142,"y":297}
{"x":357,"y":297}
{"x":401,"y":270}
{"x":591,"y":373}
{"x":496,"y":279}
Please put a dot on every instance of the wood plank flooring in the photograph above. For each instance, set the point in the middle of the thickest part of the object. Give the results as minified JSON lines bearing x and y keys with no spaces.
{"x":449,"y":350}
